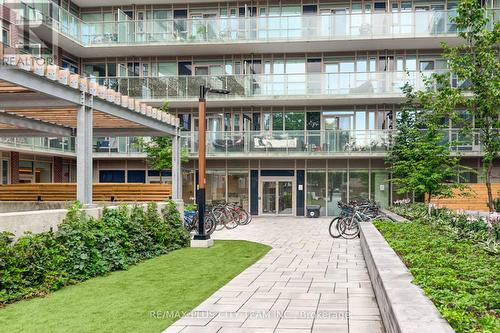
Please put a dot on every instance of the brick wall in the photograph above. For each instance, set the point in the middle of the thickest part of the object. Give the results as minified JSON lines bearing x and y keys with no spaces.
{"x":58,"y":169}
{"x":14,"y":167}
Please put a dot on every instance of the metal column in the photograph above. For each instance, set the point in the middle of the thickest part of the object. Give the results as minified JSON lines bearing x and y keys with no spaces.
{"x":84,"y":150}
{"x":176,"y":167}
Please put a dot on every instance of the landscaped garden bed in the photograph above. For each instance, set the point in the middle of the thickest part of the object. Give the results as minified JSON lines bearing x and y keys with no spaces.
{"x":455,"y":260}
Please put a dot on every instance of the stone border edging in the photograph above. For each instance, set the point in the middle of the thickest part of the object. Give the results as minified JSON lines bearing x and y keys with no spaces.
{"x":403,"y":306}
{"x":393,"y":216}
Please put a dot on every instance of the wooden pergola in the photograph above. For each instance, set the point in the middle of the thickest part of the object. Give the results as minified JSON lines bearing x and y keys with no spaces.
{"x":35,"y":105}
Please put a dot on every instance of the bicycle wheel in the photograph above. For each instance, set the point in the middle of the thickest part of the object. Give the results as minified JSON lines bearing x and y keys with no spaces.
{"x":232,"y":218}
{"x":210,"y":224}
{"x":242,"y":216}
{"x":333,"y":229}
{"x":349,"y":228}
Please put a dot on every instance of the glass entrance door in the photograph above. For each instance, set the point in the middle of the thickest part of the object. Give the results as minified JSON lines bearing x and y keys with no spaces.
{"x":277,"y":197}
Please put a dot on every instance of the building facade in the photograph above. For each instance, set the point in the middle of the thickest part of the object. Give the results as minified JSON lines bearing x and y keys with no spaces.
{"x":314,"y":91}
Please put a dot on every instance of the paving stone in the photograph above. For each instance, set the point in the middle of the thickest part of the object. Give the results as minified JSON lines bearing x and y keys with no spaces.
{"x":306,"y":283}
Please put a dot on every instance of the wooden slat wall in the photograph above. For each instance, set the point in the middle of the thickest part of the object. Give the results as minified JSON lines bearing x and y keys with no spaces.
{"x":102,"y":192}
{"x":476,"y":201}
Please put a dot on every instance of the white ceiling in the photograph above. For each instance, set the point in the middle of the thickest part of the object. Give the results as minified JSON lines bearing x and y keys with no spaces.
{"x":100,"y":3}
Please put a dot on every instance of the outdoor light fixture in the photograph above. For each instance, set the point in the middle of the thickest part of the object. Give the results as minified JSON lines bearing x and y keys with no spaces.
{"x":200,"y":193}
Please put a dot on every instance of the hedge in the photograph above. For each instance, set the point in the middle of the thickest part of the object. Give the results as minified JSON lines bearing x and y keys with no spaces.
{"x":84,"y":247}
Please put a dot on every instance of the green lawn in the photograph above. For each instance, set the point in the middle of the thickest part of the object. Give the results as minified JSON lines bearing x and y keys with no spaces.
{"x":124,"y":301}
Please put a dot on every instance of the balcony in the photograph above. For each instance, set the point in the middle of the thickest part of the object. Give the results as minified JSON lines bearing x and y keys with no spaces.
{"x":311,"y":144}
{"x":334,"y":88}
{"x":53,"y":146}
{"x":117,"y":147}
{"x":395,"y":30}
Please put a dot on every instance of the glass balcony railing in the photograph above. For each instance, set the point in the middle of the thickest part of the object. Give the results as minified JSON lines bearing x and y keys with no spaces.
{"x":116,"y":145}
{"x":310,"y":143}
{"x":63,"y":145}
{"x":267,"y":85}
{"x":244,"y":29}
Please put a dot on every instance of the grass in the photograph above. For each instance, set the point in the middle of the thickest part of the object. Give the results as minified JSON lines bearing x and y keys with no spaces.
{"x":124,"y":301}
{"x":459,"y":277}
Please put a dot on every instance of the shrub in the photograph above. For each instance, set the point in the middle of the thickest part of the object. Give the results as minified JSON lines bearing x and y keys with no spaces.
{"x":85,"y":247}
{"x":460,"y":277}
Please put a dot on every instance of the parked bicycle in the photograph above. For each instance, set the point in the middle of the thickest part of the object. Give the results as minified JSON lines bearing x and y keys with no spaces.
{"x":218,"y":216}
{"x":346,"y":225}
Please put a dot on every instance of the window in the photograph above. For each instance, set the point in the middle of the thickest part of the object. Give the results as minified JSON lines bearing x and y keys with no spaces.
{"x":5,"y":36}
{"x":313,"y":121}
{"x":294,"y":121}
{"x":426,"y":65}
{"x":136,"y":176}
{"x":111,"y":176}
{"x":277,"y":121}
{"x":5,"y":171}
{"x":316,"y":189}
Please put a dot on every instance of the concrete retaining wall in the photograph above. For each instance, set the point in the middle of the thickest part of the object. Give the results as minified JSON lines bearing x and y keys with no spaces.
{"x":403,"y":305}
{"x":44,"y":220}
{"x":25,"y":206}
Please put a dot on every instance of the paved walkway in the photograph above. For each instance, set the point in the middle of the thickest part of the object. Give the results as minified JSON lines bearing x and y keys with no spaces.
{"x":308,"y":282}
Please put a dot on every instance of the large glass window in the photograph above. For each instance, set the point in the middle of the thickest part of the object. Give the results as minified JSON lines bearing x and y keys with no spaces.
{"x":294,"y":121}
{"x":5,"y":171}
{"x":43,"y":172}
{"x":215,"y":186}
{"x":316,"y":189}
{"x":188,"y":186}
{"x":380,"y":188}
{"x":237,"y":187}
{"x":358,"y":185}
{"x":277,"y":121}
{"x":337,"y":190}
{"x":94,"y":70}
{"x":26,"y":171}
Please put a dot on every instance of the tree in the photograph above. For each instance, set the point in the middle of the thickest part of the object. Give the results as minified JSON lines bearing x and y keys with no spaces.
{"x":476,"y":63}
{"x":159,"y":150}
{"x":421,"y":161}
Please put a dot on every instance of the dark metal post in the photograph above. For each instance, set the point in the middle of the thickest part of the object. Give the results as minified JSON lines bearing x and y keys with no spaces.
{"x":200,"y":194}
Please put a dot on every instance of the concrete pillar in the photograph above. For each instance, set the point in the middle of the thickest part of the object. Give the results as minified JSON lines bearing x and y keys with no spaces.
{"x":176,"y":168}
{"x":58,"y":169}
{"x":84,"y":151}
{"x":14,"y":167}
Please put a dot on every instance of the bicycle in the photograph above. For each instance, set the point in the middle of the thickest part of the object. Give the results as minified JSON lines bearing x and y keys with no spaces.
{"x":346,"y":225}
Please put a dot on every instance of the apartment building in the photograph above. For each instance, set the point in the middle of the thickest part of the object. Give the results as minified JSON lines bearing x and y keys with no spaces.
{"x":314,"y":91}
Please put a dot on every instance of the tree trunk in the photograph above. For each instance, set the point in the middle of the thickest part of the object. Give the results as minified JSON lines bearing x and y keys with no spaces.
{"x":161,"y":179}
{"x":488,"y":186}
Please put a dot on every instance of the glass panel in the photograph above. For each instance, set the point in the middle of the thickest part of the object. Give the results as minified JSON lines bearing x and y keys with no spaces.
{"x":5,"y":171}
{"x":216,"y":186}
{"x":237,"y":187}
{"x":380,"y":188}
{"x":43,"y":172}
{"x":277,"y":121}
{"x":269,"y":197}
{"x":316,"y":190}
{"x":337,"y":190}
{"x":188,"y":186}
{"x":294,"y":121}
{"x":285,"y":198}
{"x":358,"y":185}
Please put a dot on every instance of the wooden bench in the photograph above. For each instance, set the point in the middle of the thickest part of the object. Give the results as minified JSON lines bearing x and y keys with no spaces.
{"x":102,"y":192}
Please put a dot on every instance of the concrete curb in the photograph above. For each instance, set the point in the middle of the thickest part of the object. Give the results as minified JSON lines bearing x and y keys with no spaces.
{"x":393,"y":216}
{"x":403,"y":306}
